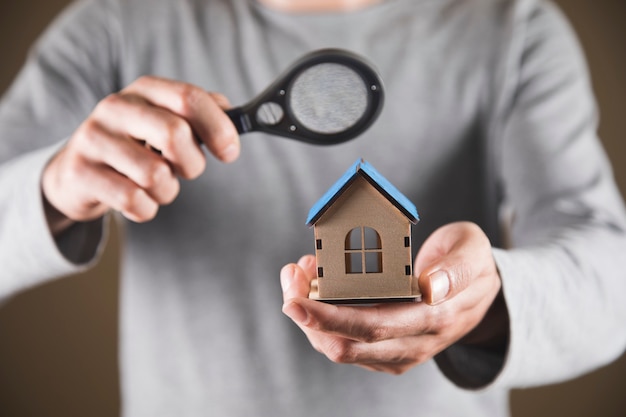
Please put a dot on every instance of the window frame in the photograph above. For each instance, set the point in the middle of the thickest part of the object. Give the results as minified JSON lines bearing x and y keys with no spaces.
{"x":363,"y":252}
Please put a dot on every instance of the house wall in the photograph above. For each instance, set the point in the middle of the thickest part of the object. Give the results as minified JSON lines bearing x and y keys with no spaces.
{"x":362,"y":205}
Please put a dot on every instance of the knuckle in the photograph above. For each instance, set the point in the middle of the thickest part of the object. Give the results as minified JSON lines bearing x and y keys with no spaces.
{"x":177,"y":130}
{"x":220,"y":99}
{"x":155,"y":174}
{"x":89,"y":126}
{"x":445,"y":322}
{"x":88,"y":134}
{"x":178,"y":127}
{"x":423,"y":357}
{"x":143,"y":81}
{"x":317,"y":346}
{"x":75,"y":167}
{"x":225,"y":132}
{"x":440,"y":319}
{"x":88,"y":137}
{"x":73,"y":170}
{"x":375,"y":334}
{"x":188,"y":95}
{"x":128,"y":199}
{"x":109,"y":102}
{"x":340,"y":351}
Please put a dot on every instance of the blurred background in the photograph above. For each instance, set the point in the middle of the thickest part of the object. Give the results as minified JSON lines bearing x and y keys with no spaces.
{"x":58,"y":342}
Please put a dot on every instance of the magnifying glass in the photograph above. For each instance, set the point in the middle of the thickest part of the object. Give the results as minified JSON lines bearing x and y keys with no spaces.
{"x":327,"y":97}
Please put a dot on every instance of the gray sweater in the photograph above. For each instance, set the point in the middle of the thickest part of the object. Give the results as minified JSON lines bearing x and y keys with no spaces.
{"x":488,"y":112}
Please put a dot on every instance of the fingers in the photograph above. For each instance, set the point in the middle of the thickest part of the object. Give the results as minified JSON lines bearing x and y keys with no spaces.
{"x":131,"y":117}
{"x":392,"y":356}
{"x":397,"y":336}
{"x":368,"y":325}
{"x":451,"y":259}
{"x":95,"y":189}
{"x":295,"y":281}
{"x":365,"y":324}
{"x":202,"y":110}
{"x":375,"y":339}
{"x":171,"y":117}
{"x":142,"y":166}
{"x":454,"y":264}
{"x":120,"y":194}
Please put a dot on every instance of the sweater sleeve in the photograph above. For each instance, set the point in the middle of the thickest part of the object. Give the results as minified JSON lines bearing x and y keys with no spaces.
{"x":563,"y":279}
{"x":67,"y":72}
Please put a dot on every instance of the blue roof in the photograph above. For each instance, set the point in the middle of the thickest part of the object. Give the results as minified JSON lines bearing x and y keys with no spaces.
{"x":367,"y":171}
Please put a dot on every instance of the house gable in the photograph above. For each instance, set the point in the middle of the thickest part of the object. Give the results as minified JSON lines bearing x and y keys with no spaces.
{"x":368,"y":172}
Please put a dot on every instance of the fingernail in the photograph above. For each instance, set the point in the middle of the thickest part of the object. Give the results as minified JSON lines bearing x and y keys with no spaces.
{"x":286,"y":277}
{"x":296,"y":313}
{"x":230,"y":153}
{"x":439,"y":286}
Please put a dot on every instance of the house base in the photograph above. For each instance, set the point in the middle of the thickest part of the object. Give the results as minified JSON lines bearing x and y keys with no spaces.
{"x":413,"y":298}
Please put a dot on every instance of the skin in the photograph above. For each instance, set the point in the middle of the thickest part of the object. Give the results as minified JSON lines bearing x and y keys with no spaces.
{"x":105,"y":166}
{"x":462,"y":302}
{"x":130,"y":152}
{"x":110,"y":162}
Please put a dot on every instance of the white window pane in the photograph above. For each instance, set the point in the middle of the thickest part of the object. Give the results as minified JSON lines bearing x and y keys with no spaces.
{"x":354,"y":263}
{"x":354,"y":239}
{"x":373,"y":262}
{"x":372,"y":238}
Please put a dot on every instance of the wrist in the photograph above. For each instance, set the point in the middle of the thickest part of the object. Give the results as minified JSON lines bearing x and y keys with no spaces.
{"x":57,"y":221}
{"x":493,"y":330}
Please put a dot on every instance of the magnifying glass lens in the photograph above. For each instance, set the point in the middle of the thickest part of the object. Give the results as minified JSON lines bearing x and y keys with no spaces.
{"x":328,"y":98}
{"x":270,"y":114}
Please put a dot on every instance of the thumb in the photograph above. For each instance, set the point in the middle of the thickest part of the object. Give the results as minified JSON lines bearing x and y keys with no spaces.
{"x":448,"y":259}
{"x":442,"y":282}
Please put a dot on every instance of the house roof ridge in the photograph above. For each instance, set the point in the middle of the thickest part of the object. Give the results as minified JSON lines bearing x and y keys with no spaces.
{"x":376,"y":179}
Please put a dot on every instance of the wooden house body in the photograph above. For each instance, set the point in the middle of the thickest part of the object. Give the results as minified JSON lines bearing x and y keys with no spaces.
{"x":362,"y":229}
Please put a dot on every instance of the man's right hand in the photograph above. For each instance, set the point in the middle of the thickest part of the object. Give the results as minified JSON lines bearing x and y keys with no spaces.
{"x":110,"y":161}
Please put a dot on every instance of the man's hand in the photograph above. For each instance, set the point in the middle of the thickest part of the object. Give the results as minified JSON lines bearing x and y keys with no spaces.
{"x":128,"y":154}
{"x":459,"y":282}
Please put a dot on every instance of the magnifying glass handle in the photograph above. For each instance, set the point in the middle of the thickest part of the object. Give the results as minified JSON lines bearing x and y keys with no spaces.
{"x":240,"y":119}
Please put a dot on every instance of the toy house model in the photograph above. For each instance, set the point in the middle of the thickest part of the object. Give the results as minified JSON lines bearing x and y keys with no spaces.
{"x":363,"y":240}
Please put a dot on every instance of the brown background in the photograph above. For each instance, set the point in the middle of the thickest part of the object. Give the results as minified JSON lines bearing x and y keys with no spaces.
{"x":58,"y":343}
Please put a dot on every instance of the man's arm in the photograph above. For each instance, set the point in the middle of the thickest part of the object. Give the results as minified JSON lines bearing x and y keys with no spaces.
{"x":67,"y":71}
{"x":548,"y":310}
{"x":126,"y":154}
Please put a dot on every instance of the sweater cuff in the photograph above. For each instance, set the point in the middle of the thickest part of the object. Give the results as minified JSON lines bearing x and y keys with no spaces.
{"x":470,"y":367}
{"x":476,"y":367}
{"x":29,"y":253}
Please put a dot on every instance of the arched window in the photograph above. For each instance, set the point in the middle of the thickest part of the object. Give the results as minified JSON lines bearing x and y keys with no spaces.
{"x":364,"y":253}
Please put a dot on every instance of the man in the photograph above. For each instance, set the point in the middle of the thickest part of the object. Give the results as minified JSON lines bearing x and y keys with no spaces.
{"x":488,"y":106}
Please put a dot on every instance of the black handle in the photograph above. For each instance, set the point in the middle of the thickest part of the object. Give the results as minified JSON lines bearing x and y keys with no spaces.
{"x":241,"y":119}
